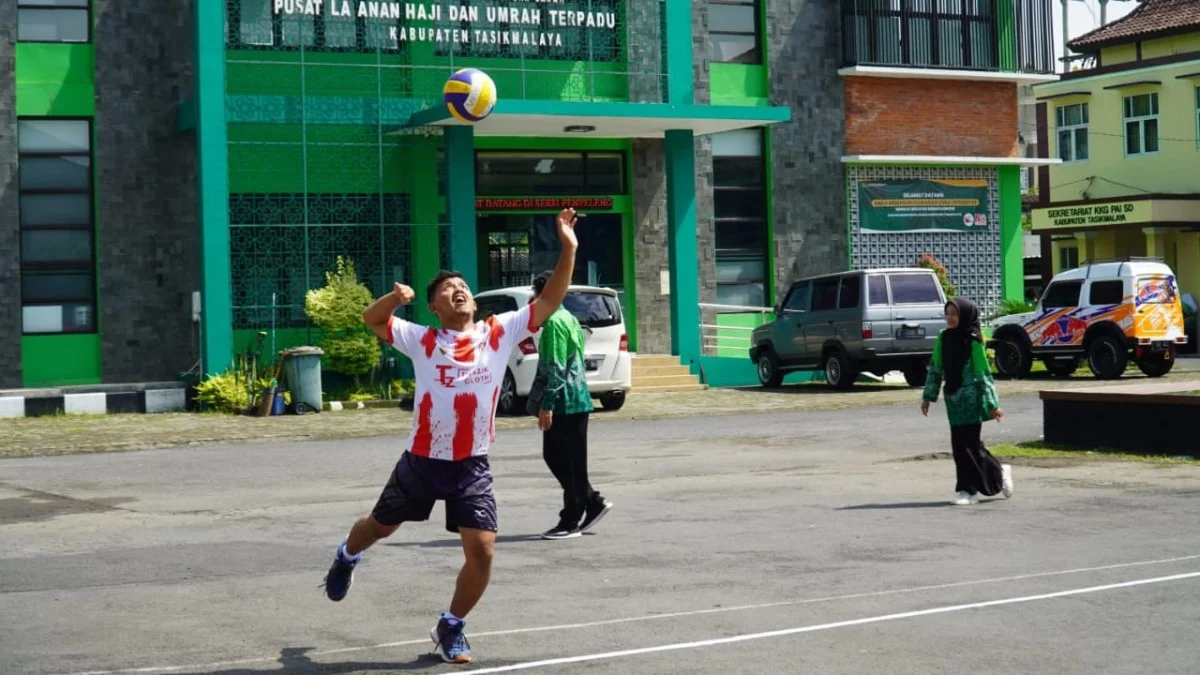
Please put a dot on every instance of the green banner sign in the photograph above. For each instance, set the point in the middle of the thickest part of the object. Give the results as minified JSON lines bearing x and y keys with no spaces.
{"x":944,"y":205}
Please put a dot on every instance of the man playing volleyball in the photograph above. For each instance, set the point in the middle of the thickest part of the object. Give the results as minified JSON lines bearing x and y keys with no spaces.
{"x":458,"y":374}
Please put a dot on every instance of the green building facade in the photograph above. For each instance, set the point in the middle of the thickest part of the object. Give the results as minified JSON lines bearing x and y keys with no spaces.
{"x":206,"y":162}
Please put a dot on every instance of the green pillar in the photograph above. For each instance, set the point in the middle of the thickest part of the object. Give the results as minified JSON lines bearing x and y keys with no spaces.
{"x":1012,"y":235}
{"x":681,"y":85}
{"x":212,"y":177}
{"x":460,"y":200}
{"x":680,"y":151}
{"x":426,"y":258}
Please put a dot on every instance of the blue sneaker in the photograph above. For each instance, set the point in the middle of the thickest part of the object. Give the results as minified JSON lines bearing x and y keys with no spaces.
{"x":340,"y":577}
{"x":449,"y":641}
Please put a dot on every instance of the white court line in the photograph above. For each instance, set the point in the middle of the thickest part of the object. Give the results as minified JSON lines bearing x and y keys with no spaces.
{"x":655,"y":617}
{"x":829,"y":626}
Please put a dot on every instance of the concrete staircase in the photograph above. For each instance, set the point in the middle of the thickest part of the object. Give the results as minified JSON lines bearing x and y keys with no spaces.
{"x":656,"y":374}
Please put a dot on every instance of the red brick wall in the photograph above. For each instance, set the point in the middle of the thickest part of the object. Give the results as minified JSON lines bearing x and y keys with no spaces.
{"x":894,"y":116}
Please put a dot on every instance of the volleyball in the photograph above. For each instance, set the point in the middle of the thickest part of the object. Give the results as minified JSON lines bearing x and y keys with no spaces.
{"x":470,"y":95}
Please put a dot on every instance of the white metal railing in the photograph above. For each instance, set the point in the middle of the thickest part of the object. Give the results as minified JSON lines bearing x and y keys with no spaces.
{"x":730,"y":338}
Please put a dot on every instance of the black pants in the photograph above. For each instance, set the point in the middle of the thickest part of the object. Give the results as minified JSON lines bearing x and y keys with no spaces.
{"x":978,"y":471}
{"x":564,"y":447}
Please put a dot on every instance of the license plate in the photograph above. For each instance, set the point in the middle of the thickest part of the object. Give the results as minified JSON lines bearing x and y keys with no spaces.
{"x":1162,"y":345}
{"x":591,"y":364}
{"x":911,"y":333}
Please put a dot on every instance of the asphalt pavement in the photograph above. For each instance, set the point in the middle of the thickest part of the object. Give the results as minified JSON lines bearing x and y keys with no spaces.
{"x":812,"y":542}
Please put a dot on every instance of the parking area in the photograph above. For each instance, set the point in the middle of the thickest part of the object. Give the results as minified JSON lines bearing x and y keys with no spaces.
{"x":764,"y":542}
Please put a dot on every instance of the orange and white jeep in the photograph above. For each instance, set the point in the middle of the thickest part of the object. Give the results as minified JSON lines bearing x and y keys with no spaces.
{"x":1106,"y":312}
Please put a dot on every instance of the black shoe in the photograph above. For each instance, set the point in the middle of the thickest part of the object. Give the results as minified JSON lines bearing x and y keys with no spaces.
{"x":564,"y":530}
{"x":339,"y":578}
{"x":595,"y":512}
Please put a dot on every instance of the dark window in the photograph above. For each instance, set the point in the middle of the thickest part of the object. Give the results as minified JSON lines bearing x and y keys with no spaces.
{"x":516,"y":173}
{"x":1106,"y":292}
{"x":877,"y":287}
{"x":922,"y":33}
{"x":1062,"y":294}
{"x":594,"y":310}
{"x":740,"y":211}
{"x":914,"y":289}
{"x":1068,"y":258}
{"x":734,"y":34}
{"x":58,"y":282}
{"x":54,"y":21}
{"x":851,"y":294}
{"x":485,"y":307}
{"x":797,"y":299}
{"x":825,"y":293}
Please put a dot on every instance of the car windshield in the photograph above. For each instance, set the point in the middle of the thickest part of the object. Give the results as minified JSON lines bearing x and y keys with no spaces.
{"x":594,"y":310}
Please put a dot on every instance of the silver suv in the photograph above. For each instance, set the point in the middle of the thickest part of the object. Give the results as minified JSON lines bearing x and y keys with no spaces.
{"x":850,"y":323}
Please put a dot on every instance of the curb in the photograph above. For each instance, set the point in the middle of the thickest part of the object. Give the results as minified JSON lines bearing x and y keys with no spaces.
{"x":47,"y":402}
{"x":338,"y":406}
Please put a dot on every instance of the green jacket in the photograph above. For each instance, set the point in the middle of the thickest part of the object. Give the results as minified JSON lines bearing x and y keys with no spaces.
{"x":561,"y":365}
{"x":974,"y":402}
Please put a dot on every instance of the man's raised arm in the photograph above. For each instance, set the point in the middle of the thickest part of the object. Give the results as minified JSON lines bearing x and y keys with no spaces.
{"x":377,"y":315}
{"x":556,"y":287}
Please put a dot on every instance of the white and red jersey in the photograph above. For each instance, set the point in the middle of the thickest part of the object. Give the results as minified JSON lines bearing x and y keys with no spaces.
{"x":458,"y":381}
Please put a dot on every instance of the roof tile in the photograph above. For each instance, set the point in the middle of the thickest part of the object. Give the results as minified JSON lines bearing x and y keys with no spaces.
{"x":1149,"y":18}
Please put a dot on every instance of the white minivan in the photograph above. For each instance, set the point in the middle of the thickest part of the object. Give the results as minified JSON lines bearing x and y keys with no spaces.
{"x":607,"y":359}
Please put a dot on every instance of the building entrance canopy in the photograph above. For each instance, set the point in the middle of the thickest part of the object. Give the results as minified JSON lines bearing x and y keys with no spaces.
{"x":560,"y":119}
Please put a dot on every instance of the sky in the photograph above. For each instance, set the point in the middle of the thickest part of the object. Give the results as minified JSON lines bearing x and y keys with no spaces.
{"x":1084,"y":15}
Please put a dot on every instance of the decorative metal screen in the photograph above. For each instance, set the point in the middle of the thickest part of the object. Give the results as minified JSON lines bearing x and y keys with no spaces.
{"x":972,"y":258}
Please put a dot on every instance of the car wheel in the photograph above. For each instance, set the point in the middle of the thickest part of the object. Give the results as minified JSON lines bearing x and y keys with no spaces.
{"x":838,"y":371}
{"x":509,"y":403}
{"x":612,"y":401}
{"x":1107,"y":357}
{"x":915,"y":374}
{"x":1156,"y":364}
{"x":1061,"y":367}
{"x":769,"y":374}
{"x":1013,"y":360}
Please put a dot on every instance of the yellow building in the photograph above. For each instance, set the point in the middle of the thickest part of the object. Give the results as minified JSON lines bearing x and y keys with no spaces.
{"x":1126,"y":128}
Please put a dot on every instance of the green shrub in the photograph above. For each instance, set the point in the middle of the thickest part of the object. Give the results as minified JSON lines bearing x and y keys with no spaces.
{"x":230,"y":392}
{"x":336,"y":308}
{"x":1007,"y":307}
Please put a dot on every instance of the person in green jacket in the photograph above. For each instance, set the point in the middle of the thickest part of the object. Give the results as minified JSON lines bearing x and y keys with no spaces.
{"x":563,"y":409}
{"x":960,"y":360}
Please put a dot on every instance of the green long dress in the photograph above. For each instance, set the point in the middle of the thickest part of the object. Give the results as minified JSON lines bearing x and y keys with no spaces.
{"x":975,"y":400}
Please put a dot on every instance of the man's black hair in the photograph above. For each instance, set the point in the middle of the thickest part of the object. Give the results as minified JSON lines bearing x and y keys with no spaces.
{"x":434,"y":285}
{"x":539,"y":282}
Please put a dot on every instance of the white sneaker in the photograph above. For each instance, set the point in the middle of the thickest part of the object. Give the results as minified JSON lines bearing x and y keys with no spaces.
{"x":1007,"y":481}
{"x":964,"y":499}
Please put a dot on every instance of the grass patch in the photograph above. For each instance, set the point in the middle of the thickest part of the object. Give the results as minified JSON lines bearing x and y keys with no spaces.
{"x":1042,"y":451}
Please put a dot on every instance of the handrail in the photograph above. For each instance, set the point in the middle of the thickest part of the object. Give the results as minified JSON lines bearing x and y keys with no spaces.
{"x":726,"y":340}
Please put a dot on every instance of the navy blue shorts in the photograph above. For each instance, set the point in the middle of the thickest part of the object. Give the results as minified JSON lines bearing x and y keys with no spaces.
{"x":418,"y":482}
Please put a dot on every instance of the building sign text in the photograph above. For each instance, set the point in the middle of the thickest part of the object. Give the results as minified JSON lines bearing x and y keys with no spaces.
{"x":916,"y":205}
{"x":1091,"y":215}
{"x":542,"y":203}
{"x":537,"y":23}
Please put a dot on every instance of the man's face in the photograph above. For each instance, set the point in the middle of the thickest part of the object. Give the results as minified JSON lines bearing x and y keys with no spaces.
{"x":453,"y":299}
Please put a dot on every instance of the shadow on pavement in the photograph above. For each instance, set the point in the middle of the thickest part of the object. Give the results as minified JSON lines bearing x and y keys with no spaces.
{"x":456,"y":543}
{"x":819,"y":388}
{"x":295,"y":661}
{"x":900,"y":505}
